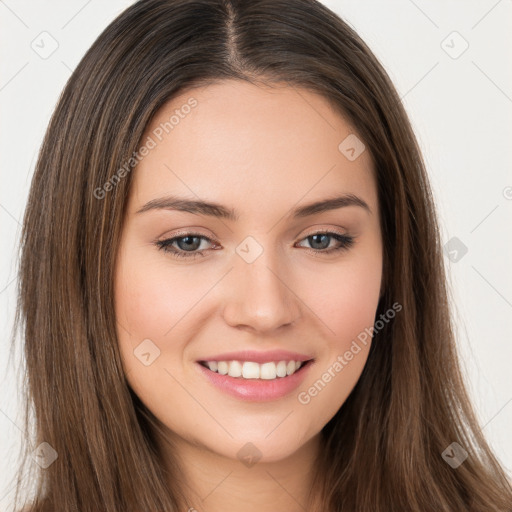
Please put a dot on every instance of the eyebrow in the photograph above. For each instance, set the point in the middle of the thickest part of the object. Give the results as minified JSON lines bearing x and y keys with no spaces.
{"x":217,"y":210}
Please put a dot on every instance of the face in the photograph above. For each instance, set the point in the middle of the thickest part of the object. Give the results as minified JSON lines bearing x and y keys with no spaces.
{"x":257,"y":286}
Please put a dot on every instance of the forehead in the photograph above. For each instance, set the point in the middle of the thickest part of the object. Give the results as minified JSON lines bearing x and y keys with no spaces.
{"x":249,"y":145}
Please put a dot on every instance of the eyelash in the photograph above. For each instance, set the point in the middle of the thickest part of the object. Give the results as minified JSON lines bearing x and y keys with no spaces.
{"x":166,"y":245}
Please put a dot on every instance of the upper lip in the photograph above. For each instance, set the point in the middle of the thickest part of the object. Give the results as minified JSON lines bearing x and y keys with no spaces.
{"x":259,"y":357}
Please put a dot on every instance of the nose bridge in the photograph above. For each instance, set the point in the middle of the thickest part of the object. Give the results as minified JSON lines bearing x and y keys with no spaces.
{"x":260,"y":295}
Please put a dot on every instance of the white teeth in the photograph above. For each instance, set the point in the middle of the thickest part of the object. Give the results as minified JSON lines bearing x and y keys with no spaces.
{"x":251,"y":370}
{"x":222,"y":367}
{"x":281,"y":368}
{"x":268,"y":371}
{"x":235,"y":369}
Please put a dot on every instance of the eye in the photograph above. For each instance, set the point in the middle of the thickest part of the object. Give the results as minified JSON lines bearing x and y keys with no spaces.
{"x":320,"y":242}
{"x":187,"y":245}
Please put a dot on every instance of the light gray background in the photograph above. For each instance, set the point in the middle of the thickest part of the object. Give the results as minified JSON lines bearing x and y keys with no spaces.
{"x":461,"y":110}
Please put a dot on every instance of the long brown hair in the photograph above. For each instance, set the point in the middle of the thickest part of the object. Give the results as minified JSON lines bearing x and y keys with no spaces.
{"x":382,"y":451}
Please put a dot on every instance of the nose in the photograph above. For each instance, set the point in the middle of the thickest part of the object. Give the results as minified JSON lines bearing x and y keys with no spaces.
{"x":261,"y":296}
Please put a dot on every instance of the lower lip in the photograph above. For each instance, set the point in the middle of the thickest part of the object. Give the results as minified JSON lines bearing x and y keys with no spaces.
{"x":257,"y":390}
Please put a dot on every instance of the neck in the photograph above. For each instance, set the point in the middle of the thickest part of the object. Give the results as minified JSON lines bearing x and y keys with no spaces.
{"x":211,"y":482}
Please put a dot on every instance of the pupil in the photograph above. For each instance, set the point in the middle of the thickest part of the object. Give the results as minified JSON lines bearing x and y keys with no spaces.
{"x":320,"y":236}
{"x":189,"y":240}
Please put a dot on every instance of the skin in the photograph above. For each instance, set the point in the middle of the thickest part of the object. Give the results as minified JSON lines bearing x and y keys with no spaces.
{"x":263,"y":152}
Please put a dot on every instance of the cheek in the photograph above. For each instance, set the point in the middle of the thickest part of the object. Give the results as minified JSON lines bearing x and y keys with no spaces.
{"x":328,"y":387}
{"x":148,"y":307}
{"x":345,"y":298}
{"x":353,"y":303}
{"x":150,"y":300}
{"x":153,"y":303}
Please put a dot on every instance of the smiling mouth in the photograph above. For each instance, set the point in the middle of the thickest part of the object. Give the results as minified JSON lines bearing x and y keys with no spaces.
{"x":250,"y":370}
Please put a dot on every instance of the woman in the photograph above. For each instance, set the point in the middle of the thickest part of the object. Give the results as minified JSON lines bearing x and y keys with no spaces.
{"x":231,"y":282}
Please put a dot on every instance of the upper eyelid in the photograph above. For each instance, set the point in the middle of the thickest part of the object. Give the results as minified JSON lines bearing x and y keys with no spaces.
{"x":211,"y":239}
